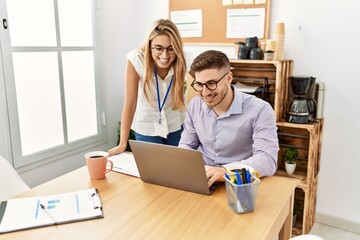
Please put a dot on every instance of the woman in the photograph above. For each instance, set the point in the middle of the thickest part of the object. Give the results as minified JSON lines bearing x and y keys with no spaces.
{"x":154,"y":104}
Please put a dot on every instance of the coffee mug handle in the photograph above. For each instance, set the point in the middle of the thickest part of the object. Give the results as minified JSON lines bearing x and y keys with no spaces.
{"x":111,"y":166}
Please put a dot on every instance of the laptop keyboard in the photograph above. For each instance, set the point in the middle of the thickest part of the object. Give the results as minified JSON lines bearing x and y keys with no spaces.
{"x":214,"y":186}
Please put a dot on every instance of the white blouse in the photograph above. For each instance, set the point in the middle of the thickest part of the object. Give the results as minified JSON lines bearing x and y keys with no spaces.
{"x":146,"y":113}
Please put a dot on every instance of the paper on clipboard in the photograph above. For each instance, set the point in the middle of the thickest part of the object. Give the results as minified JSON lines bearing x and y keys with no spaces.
{"x":125,"y":163}
{"x":32,"y":212}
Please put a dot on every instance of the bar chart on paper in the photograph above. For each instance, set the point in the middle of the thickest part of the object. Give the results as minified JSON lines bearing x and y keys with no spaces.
{"x":68,"y":205}
{"x":24,"y":213}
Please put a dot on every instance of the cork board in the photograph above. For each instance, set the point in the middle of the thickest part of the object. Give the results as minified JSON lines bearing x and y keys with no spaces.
{"x":214,"y":17}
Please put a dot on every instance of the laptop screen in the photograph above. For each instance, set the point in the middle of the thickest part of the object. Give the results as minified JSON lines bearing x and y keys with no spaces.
{"x":170,"y":166}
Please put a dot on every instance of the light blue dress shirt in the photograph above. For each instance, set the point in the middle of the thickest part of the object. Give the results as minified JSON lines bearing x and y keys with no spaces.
{"x":246,"y":133}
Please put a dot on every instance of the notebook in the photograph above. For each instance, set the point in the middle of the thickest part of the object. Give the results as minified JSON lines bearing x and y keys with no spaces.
{"x":171,"y":166}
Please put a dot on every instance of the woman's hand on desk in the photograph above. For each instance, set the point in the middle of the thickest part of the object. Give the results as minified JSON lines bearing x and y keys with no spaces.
{"x":214,"y":174}
{"x":117,"y":150}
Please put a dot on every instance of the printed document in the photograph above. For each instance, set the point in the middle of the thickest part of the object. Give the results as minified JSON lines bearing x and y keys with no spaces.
{"x":23,"y":213}
{"x":125,"y":163}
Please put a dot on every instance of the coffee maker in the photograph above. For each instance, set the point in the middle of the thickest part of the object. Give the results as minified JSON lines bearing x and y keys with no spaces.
{"x":302,"y":106}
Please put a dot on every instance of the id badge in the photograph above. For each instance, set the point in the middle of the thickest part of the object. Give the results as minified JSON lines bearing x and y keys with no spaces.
{"x":161,"y":129}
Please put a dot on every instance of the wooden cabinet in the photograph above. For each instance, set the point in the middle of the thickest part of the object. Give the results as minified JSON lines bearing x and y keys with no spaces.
{"x":305,"y":137}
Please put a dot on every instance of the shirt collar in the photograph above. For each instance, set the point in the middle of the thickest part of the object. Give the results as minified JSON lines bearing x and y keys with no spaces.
{"x":170,"y":74}
{"x":237,"y":104}
{"x":235,"y":107}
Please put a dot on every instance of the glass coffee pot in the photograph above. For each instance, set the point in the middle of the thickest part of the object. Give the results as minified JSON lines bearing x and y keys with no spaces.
{"x":302,"y":107}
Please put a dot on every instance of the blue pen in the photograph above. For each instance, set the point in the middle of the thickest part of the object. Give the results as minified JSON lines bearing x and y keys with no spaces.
{"x":227,"y":176}
{"x":239,"y":182}
{"x":248,"y":179}
{"x":249,"y":190}
{"x":240,"y":194}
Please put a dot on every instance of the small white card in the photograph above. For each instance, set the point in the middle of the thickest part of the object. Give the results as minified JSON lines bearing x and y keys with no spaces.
{"x":161,"y":129}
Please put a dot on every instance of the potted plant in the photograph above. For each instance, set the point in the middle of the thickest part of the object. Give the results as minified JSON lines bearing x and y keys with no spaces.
{"x":290,"y":156}
{"x":269,"y":55}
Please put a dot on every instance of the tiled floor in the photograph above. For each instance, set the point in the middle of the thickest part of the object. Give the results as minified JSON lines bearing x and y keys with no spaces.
{"x":331,"y":233}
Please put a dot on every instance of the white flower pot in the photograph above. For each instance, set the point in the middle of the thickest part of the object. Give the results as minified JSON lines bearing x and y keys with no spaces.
{"x":268,"y":56}
{"x":290,"y":167}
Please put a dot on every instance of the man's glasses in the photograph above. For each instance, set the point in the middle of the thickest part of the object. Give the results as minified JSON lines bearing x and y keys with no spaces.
{"x":157,"y":49}
{"x":211,"y":85}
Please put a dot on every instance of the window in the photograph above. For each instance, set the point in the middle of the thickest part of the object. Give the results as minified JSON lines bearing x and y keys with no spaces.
{"x":51,"y":77}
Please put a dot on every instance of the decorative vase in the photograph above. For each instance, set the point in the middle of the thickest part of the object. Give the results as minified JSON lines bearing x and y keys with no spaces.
{"x":290,"y":167}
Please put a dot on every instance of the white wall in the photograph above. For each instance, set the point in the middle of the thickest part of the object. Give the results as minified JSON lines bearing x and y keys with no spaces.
{"x":4,"y":124}
{"x":326,"y":48}
{"x":122,"y":29}
{"x":117,"y":24}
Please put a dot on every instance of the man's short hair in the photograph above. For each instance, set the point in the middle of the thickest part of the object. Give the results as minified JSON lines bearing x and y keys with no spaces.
{"x":210,"y":59}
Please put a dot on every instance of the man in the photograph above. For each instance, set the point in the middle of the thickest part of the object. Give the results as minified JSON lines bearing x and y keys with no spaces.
{"x":229,"y":127}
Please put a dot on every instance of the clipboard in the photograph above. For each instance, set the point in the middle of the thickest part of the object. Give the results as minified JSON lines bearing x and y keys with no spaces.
{"x":32,"y":212}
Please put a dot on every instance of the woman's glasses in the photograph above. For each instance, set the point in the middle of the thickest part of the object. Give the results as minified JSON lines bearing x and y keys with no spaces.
{"x":211,"y":85}
{"x":158,"y":49}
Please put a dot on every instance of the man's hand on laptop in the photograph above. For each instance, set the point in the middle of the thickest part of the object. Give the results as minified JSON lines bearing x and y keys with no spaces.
{"x":215,"y":174}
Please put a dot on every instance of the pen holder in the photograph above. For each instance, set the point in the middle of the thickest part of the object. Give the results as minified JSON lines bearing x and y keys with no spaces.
{"x":241,"y":198}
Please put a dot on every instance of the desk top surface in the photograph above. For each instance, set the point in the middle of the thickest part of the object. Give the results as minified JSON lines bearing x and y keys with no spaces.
{"x":137,"y":210}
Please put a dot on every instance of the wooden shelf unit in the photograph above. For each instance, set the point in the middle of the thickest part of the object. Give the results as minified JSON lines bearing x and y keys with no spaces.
{"x":304,"y":207}
{"x":305,"y":137}
{"x":277,"y":72}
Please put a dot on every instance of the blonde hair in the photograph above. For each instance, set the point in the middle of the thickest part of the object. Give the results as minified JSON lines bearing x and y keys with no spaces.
{"x":166,"y":27}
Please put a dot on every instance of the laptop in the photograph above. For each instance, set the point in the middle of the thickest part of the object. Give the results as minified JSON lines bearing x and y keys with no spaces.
{"x":172,"y":167}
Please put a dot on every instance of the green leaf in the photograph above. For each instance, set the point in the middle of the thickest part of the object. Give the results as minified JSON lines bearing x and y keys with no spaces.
{"x":291,"y":154}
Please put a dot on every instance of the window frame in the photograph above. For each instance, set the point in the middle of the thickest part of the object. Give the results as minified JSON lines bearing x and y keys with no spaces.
{"x":66,"y":149}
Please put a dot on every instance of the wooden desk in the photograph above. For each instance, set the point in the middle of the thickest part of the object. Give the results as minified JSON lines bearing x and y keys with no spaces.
{"x":137,"y":210}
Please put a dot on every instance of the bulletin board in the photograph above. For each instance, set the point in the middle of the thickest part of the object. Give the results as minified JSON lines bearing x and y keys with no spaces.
{"x":214,"y":18}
